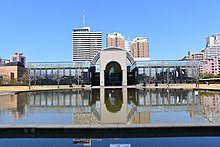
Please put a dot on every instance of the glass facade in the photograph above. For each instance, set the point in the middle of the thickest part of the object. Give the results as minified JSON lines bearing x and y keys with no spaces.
{"x":167,"y":71}
{"x":148,"y":72}
{"x":50,"y":73}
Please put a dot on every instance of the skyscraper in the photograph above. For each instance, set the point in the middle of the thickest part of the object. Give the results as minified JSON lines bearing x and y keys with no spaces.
{"x":85,"y":44}
{"x":115,"y":40}
{"x":140,"y":48}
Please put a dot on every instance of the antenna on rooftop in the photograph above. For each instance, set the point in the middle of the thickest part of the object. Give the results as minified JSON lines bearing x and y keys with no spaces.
{"x":84,"y":21}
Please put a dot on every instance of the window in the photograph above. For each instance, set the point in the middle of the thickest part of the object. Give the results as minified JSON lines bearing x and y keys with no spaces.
{"x":14,"y":59}
{"x":22,"y":60}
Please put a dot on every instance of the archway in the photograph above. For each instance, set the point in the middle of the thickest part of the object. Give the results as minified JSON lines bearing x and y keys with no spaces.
{"x":113,"y":74}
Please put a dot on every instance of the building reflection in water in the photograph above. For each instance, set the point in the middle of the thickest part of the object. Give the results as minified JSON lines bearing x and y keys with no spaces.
{"x":13,"y":103}
{"x":211,"y":106}
{"x":112,"y":106}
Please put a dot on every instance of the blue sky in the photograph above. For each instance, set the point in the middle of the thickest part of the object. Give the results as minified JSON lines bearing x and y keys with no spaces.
{"x":41,"y":29}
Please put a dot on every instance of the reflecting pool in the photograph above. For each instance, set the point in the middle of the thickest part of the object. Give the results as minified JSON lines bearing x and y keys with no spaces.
{"x":110,"y":106}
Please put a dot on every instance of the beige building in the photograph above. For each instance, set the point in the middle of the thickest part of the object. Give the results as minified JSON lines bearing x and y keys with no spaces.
{"x":18,"y":57}
{"x":197,"y":56}
{"x":208,"y":64}
{"x":140,"y":48}
{"x":115,"y":40}
{"x":12,"y":71}
{"x":209,"y":57}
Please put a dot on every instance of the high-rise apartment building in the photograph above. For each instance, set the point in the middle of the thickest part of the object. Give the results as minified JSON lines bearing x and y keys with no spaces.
{"x":18,"y":57}
{"x":85,"y":44}
{"x":212,"y":45}
{"x":140,"y":48}
{"x":115,"y":40}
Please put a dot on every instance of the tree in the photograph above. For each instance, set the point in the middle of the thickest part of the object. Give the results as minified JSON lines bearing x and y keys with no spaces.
{"x":78,"y":73}
{"x":57,"y":76}
{"x":168,"y":76}
{"x":195,"y":72}
{"x":28,"y":77}
{"x":1,"y":79}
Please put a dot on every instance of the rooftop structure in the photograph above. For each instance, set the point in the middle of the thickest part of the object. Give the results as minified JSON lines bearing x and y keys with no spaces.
{"x":18,"y":57}
{"x":115,"y":40}
{"x":212,"y":40}
{"x":212,"y":45}
{"x":3,"y":61}
{"x":195,"y":56}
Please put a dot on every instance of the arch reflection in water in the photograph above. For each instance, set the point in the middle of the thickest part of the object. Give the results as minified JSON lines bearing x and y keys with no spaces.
{"x":113,"y":105}
{"x":110,"y":106}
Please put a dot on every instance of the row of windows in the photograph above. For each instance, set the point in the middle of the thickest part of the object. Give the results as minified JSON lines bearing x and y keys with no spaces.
{"x":87,"y":33}
{"x":98,"y":37}
{"x":81,"y":51}
{"x":87,"y":48}
{"x":89,"y":36}
{"x":88,"y":45}
{"x":86,"y":41}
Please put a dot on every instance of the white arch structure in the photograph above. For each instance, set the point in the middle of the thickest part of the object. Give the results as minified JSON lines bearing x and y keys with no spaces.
{"x":113,"y":54}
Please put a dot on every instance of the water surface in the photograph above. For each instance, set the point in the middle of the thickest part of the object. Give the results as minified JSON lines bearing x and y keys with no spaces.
{"x":110,"y":106}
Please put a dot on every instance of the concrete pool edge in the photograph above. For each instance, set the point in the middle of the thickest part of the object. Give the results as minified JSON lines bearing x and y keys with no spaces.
{"x":108,"y":130}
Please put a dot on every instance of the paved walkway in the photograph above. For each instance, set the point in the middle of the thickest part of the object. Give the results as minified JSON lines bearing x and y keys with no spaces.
{"x":12,"y":89}
{"x":5,"y":89}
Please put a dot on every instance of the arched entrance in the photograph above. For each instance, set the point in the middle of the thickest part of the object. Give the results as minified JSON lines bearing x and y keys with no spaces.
{"x":113,"y":74}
